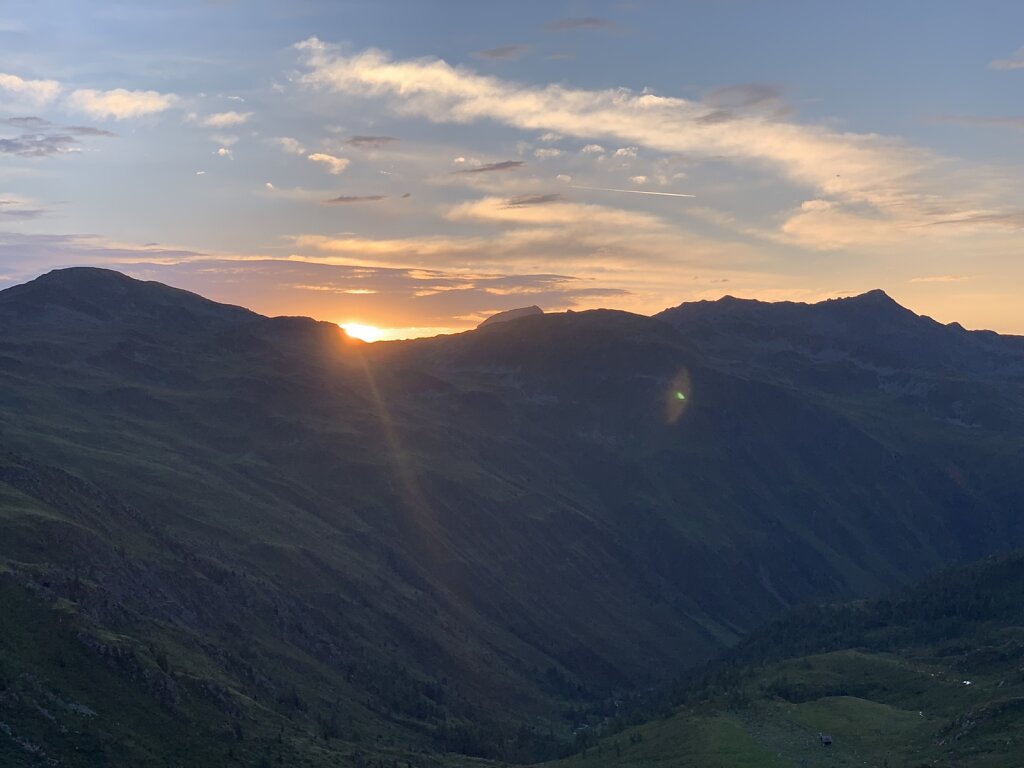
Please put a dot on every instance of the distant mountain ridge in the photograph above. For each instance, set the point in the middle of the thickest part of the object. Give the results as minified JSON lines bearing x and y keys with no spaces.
{"x":511,"y":314}
{"x":456,"y":544}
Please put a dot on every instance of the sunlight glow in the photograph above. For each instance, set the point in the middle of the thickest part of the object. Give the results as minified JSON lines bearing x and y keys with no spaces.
{"x":367,"y":333}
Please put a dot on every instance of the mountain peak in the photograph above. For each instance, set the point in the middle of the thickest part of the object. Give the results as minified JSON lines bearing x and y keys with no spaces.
{"x":876,"y":296}
{"x":105,"y":294}
{"x":512,"y":314}
{"x":83,"y":276}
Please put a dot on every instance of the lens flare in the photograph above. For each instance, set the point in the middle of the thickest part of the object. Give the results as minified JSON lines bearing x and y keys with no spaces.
{"x":677,"y":398}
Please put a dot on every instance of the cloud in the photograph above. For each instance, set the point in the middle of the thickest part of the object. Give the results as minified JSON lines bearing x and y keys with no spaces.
{"x":747,"y":99}
{"x":883,"y":182}
{"x":15,"y":208}
{"x":373,"y":142}
{"x":593,"y":149}
{"x":560,"y":214}
{"x":120,"y":104}
{"x":21,"y":214}
{"x":26,"y":256}
{"x":41,"y":138}
{"x":225,"y":119}
{"x":628,"y":153}
{"x":410,"y":301}
{"x":88,"y":130}
{"x":39,"y":145}
{"x":1002,"y":219}
{"x":517,"y":202}
{"x":501,"y":53}
{"x":345,"y":199}
{"x":856,"y":167}
{"x":743,"y":95}
{"x":823,"y":225}
{"x":289,"y":145}
{"x":225,"y":152}
{"x":37,"y":92}
{"x":504,"y":165}
{"x":586,"y":23}
{"x":1016,"y":61}
{"x":1013,"y":122}
{"x":28,"y":123}
{"x":334,"y":165}
{"x":545,"y":153}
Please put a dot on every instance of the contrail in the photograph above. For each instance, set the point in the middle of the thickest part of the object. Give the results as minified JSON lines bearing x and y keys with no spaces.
{"x":634,"y":191}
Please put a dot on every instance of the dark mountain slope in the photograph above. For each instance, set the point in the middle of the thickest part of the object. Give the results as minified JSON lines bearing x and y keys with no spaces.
{"x":930,"y":675}
{"x":426,"y":545}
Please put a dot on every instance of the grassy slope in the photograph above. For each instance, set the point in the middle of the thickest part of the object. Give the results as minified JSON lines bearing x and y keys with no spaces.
{"x":887,"y":679}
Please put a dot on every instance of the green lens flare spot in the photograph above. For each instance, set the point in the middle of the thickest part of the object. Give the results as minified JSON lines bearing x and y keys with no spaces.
{"x":680,"y":396}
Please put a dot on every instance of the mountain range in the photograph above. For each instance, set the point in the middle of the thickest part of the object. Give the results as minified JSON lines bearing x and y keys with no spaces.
{"x":232,"y":539}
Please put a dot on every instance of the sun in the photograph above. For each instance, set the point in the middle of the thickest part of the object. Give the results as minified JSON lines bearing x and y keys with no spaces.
{"x":368,"y":333}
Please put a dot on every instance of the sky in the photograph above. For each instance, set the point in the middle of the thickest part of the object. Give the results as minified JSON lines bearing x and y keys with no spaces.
{"x":419,"y":166}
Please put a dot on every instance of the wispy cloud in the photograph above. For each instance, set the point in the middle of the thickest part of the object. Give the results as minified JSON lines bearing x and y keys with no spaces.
{"x":1012,"y":122}
{"x":517,"y":202}
{"x":88,"y":130}
{"x":745,"y":100}
{"x":41,"y":138}
{"x":13,"y":208}
{"x":1016,"y":61}
{"x":39,"y":145}
{"x":120,"y":104}
{"x":1004,"y":219}
{"x":289,"y":145}
{"x":854,"y":181}
{"x":504,"y":165}
{"x":371,"y":142}
{"x":39,"y":125}
{"x":225,"y":119}
{"x":857,"y":167}
{"x":502,"y":52}
{"x":344,"y":199}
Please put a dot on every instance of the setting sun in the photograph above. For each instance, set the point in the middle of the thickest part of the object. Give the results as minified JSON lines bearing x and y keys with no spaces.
{"x":367,"y":333}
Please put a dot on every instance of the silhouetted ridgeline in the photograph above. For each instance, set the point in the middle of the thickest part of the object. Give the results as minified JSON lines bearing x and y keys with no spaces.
{"x":232,"y":537}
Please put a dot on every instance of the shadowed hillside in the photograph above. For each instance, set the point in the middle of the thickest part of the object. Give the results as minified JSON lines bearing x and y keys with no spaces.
{"x":296,"y":546}
{"x":928,"y":676}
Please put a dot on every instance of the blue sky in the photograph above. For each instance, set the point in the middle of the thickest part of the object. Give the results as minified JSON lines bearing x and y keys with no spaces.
{"x":418,"y":166}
